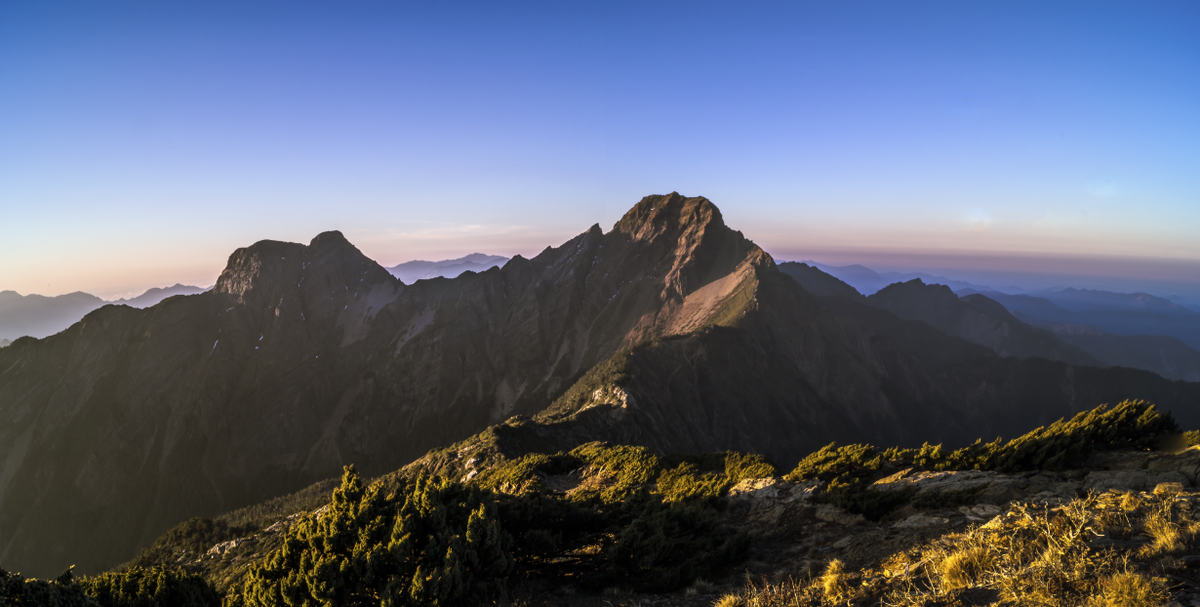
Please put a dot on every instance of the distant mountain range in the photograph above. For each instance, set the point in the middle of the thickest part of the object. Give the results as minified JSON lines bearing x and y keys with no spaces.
{"x":868,"y":281}
{"x":412,"y":271}
{"x":1136,"y":330}
{"x":1117,"y":314}
{"x":39,"y":316}
{"x":671,"y":331}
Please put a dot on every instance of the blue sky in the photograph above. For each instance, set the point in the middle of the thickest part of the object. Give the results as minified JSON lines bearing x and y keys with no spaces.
{"x":140,"y":143}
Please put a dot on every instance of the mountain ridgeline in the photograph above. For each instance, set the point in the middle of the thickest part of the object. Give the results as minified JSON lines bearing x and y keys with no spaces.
{"x":670,"y":331}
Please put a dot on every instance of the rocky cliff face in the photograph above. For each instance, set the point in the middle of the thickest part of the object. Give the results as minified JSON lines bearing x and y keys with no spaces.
{"x":671,"y":330}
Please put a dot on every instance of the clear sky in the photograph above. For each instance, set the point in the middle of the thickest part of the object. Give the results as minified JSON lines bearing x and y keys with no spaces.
{"x":142,"y":142}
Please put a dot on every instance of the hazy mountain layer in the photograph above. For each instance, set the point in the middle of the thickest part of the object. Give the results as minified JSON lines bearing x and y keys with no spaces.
{"x":1152,"y":318}
{"x":153,"y":296}
{"x":412,"y":271}
{"x":1163,"y":355}
{"x":39,"y":316}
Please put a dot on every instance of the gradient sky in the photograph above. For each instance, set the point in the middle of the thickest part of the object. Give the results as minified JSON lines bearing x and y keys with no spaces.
{"x":142,"y":142}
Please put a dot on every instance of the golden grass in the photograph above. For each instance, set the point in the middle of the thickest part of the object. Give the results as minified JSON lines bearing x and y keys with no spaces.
{"x":730,"y":600}
{"x":965,"y":567}
{"x":1035,"y":554}
{"x":1128,"y":589}
{"x":833,"y":582}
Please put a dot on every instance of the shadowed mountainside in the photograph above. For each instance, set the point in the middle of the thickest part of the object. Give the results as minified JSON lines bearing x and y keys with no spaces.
{"x":977,"y":319}
{"x":671,"y":330}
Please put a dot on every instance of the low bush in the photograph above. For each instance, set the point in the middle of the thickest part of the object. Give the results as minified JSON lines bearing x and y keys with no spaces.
{"x":138,"y":587}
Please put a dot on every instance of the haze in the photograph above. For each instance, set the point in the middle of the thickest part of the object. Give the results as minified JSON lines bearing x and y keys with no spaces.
{"x":143,"y":142}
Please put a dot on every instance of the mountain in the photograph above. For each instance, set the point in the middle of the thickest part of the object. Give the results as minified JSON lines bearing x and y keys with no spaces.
{"x":153,"y":296}
{"x":819,"y":283}
{"x":868,"y":281}
{"x":412,"y":271}
{"x":1163,"y":355}
{"x":1085,"y":300}
{"x":977,"y":319}
{"x":39,"y":316}
{"x":1121,"y":314}
{"x":955,"y":285}
{"x":671,"y":331}
{"x":5,"y":342}
{"x":863,"y":279}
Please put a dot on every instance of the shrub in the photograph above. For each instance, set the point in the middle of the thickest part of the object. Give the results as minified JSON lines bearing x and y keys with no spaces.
{"x":430,"y":543}
{"x":138,"y":587}
{"x":61,"y":592}
{"x":832,"y":462}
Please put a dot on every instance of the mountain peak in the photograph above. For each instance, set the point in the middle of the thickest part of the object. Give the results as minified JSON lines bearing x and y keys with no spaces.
{"x":659,"y":214}
{"x":332,"y":237}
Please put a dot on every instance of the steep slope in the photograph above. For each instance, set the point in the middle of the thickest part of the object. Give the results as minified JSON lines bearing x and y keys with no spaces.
{"x":819,"y":283}
{"x":304,"y":358}
{"x":977,"y":319}
{"x":863,"y":279}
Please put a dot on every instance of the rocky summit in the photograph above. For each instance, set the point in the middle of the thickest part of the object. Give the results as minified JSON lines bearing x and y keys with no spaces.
{"x":671,"y":331}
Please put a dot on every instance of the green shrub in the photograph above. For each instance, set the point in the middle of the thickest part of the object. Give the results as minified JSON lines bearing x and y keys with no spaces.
{"x":62,"y":592}
{"x":138,"y":587}
{"x":524,"y":475}
{"x":632,"y":468}
{"x":687,"y":482}
{"x":431,"y":543}
{"x":1130,"y":424}
{"x":832,"y":462}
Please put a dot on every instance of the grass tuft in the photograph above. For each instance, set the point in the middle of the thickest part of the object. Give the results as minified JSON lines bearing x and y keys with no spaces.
{"x":965,"y":567}
{"x":1130,"y":589}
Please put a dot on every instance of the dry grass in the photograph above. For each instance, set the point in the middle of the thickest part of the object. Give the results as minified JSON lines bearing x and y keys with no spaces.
{"x":833,"y":582}
{"x":1129,"y":590}
{"x":965,"y":567}
{"x":1035,"y":554}
{"x":730,"y":600}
